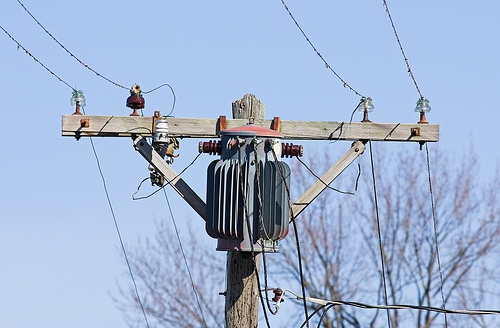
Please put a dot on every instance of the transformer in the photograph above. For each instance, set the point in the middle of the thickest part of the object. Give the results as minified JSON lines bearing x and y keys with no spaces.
{"x":247,"y":201}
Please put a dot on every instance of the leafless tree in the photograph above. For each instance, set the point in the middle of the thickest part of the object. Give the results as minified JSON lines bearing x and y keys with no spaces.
{"x":165,"y":287}
{"x":341,"y":254}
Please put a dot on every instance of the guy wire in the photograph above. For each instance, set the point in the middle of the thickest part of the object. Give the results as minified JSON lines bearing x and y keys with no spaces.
{"x":69,"y":52}
{"x":379,"y":235}
{"x":436,"y":233}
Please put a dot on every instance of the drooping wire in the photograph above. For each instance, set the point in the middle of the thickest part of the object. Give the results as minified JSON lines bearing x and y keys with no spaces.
{"x":173,"y":94}
{"x":297,"y":241}
{"x":185,"y":260}
{"x":328,"y":186}
{"x":318,"y":53}
{"x":324,"y":303}
{"x":379,"y":235}
{"x":436,"y":233}
{"x":35,"y":59}
{"x":164,"y":185}
{"x":250,"y":237}
{"x":69,"y":52}
{"x":401,"y":48}
{"x":118,"y":229}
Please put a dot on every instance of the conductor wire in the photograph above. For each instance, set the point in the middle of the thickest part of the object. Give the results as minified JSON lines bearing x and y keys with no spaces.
{"x":69,"y":52}
{"x":35,"y":59}
{"x":401,"y":48}
{"x":318,"y":53}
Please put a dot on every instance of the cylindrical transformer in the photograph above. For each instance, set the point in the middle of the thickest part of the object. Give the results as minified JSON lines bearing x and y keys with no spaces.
{"x":247,"y":201}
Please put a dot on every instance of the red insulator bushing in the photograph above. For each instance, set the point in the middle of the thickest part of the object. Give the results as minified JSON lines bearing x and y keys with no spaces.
{"x":211,"y":147}
{"x":290,"y":150}
{"x":278,"y":293}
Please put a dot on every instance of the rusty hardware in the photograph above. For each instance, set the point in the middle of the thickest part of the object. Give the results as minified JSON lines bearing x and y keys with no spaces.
{"x":156,"y":117}
{"x":415,"y":132}
{"x":77,"y":111}
{"x":276,"y":124}
{"x":290,"y":150}
{"x":222,"y":123}
{"x":278,"y":295}
{"x":211,"y":147}
{"x":422,"y":118}
{"x":84,"y":123}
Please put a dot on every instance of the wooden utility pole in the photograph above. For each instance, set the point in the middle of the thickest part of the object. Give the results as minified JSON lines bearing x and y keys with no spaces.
{"x":242,"y":294}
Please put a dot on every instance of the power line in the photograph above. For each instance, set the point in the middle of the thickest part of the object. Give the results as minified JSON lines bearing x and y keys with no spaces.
{"x":35,"y":59}
{"x":394,"y":307}
{"x":401,"y":48}
{"x":185,"y":259}
{"x":118,"y":230}
{"x":436,"y":233}
{"x":346,"y":85}
{"x":379,"y":235}
{"x":69,"y":52}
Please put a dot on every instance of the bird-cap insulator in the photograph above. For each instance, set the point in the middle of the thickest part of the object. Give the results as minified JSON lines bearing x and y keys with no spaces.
{"x":211,"y":147}
{"x":290,"y":150}
{"x":135,"y":100}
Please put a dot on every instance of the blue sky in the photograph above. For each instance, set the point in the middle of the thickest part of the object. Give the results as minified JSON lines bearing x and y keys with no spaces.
{"x":58,"y":247}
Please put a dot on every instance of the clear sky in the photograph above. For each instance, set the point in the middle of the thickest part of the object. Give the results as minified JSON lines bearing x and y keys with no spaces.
{"x":59,"y":254}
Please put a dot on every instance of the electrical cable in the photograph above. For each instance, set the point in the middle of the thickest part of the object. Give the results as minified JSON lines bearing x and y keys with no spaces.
{"x":185,"y":259}
{"x":246,"y":215}
{"x":35,"y":59}
{"x":173,"y":93}
{"x":166,"y":184}
{"x":328,"y":186}
{"x":69,"y":52}
{"x":317,"y":52}
{"x":401,"y":48}
{"x":349,"y":124}
{"x":395,"y":306}
{"x":297,"y":242}
{"x":379,"y":235}
{"x":118,"y":229}
{"x":436,"y":233}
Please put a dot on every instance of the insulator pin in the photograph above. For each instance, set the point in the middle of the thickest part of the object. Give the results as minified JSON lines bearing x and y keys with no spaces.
{"x":290,"y":150}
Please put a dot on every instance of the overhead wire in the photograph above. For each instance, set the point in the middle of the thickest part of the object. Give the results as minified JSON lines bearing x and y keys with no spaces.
{"x":69,"y":52}
{"x":35,"y":59}
{"x":401,"y":48}
{"x":295,"y":230}
{"x":393,"y":307}
{"x":379,"y":235}
{"x":173,"y":94}
{"x":185,"y":260}
{"x":118,"y":230}
{"x":436,"y":233}
{"x":346,"y":85}
{"x":250,"y":237}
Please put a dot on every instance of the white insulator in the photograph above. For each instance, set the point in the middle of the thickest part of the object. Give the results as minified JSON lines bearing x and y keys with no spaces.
{"x":161,"y":132}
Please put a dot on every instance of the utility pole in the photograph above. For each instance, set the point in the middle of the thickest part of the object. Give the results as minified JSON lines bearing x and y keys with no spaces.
{"x":242,"y":294}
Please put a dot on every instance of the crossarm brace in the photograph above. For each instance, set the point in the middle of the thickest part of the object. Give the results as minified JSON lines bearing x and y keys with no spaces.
{"x":179,"y":185}
{"x":307,"y":197}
